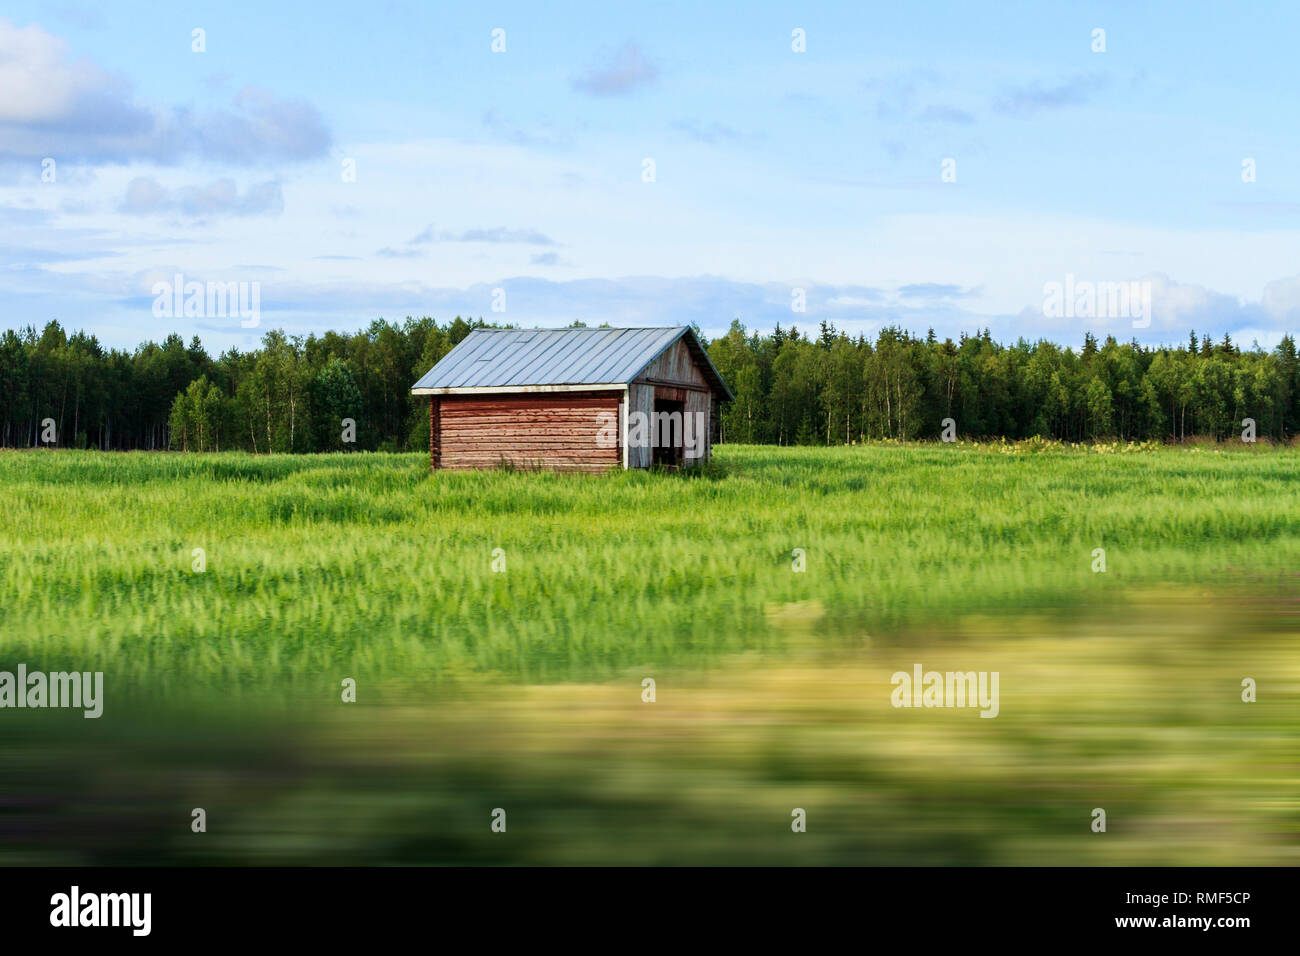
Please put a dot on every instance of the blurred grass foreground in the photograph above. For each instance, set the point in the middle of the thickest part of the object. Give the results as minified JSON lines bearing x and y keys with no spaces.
{"x":518,"y":697}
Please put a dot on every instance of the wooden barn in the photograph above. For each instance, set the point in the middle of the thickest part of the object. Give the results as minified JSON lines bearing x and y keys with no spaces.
{"x":573,"y":399}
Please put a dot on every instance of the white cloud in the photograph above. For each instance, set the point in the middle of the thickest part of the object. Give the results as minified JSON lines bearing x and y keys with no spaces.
{"x":626,"y":71}
{"x":146,"y":196}
{"x":1281,"y":299}
{"x":39,"y":81}
{"x":54,"y":105}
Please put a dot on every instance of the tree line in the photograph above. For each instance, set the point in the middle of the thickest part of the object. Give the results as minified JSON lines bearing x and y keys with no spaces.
{"x":831,"y":388}
{"x":290,"y":395}
{"x":294,"y":394}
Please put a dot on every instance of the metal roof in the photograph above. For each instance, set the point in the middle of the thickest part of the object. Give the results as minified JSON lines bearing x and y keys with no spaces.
{"x":501,"y":358}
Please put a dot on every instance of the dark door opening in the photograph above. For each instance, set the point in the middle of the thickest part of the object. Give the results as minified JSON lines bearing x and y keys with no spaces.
{"x":667,"y":437}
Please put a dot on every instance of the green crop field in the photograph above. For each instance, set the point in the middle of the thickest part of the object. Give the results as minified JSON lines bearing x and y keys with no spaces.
{"x":315,"y":565}
{"x":499,"y":626}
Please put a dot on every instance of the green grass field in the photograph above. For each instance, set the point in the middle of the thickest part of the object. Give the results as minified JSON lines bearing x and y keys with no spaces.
{"x":320,"y":565}
{"x":522,"y":688}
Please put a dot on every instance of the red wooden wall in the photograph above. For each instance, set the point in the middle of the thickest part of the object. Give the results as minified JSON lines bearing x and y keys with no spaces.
{"x":554,"y":430}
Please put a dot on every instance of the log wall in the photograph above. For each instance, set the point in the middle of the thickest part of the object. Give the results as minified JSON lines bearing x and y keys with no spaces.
{"x":552,"y":430}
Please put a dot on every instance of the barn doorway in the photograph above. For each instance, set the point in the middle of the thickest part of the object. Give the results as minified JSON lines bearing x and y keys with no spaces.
{"x":668,"y":439}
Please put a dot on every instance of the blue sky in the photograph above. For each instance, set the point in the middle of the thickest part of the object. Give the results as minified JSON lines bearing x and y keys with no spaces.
{"x":774,"y":170}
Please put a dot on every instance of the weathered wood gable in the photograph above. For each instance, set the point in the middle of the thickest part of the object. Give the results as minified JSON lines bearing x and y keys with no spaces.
{"x":676,"y":376}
